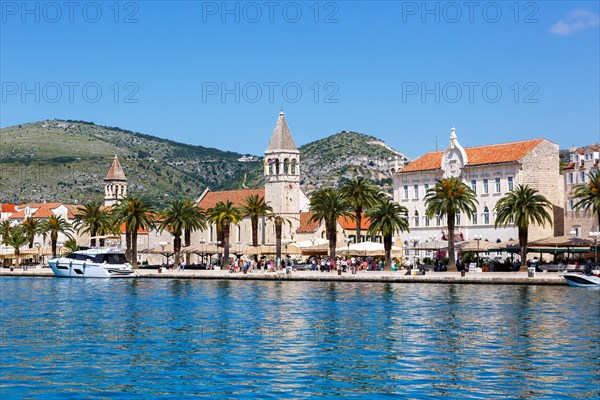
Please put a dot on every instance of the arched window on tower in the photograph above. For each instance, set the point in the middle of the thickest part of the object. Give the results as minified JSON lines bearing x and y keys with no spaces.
{"x":293,"y":167}
{"x":286,"y":166}
{"x":277,"y":166}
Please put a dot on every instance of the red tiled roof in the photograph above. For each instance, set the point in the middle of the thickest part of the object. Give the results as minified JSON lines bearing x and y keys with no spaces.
{"x":569,"y":166}
{"x":349,"y":223}
{"x":8,"y":208}
{"x":18,"y":215}
{"x":235,"y":196}
{"x":492,"y":154}
{"x":44,"y":212}
{"x":305,"y":225}
{"x":122,"y":229}
{"x":115,"y":173}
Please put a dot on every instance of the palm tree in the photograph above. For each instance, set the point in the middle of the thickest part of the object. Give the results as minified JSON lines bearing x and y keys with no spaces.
{"x":362,"y":195}
{"x":55,"y":225}
{"x":31,"y":227}
{"x":255,"y":207}
{"x":523,"y":206}
{"x":388,"y":217}
{"x":328,"y":205}
{"x":136,"y":214}
{"x":178,"y":217}
{"x":5,"y":229}
{"x":223,"y":214}
{"x":93,"y":219}
{"x":447,"y":197}
{"x":588,"y":196}
{"x":71,"y":246}
{"x":195,"y":219}
{"x":278,"y":221}
{"x":17,"y":238}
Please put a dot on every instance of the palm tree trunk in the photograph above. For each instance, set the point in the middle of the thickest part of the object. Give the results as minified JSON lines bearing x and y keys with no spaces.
{"x":134,"y":248}
{"x":93,"y":240}
{"x":17,"y":258}
{"x":188,"y":242}
{"x":53,"y":240}
{"x":128,"y":244}
{"x":332,"y":237}
{"x":451,"y":255}
{"x":225,"y":232}
{"x":254,"y":220}
{"x":278,"y":229}
{"x":177,"y":249}
{"x":358,"y":222}
{"x":387,"y":245}
{"x":523,"y":245}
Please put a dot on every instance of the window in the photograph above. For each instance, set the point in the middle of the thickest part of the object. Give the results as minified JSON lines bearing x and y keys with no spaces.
{"x":426,"y":221}
{"x":571,"y":203}
{"x":416,"y":191}
{"x":457,"y":217}
{"x":497,"y":185}
{"x":438,"y":220}
{"x":474,"y":186}
{"x":416,"y":218}
{"x":425,"y":188}
{"x":486,"y":215}
{"x":571,"y":177}
{"x":405,"y":192}
{"x":510,"y":183}
{"x":474,"y":220}
{"x":485,"y":186}
{"x":582,"y":177}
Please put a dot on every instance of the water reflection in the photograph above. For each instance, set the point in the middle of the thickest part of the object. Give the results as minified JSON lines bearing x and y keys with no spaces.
{"x":146,"y":338}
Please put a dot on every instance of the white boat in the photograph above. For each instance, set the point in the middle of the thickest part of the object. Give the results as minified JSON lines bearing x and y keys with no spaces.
{"x":93,"y":263}
{"x":582,"y":280}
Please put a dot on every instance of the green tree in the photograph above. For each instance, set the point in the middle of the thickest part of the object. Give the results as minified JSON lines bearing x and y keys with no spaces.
{"x":136,"y":214}
{"x":522,"y":207}
{"x":31,"y":227}
{"x":255,"y":207}
{"x":71,"y":246}
{"x":178,"y":217}
{"x":53,"y":226}
{"x":446,"y":198}
{"x":361,"y":195}
{"x":17,"y":238}
{"x":387,"y":217}
{"x":195,"y":219}
{"x":588,"y":195}
{"x":278,"y":221}
{"x":92,"y":218}
{"x":223,"y":214}
{"x":5,"y":229}
{"x":328,"y":205}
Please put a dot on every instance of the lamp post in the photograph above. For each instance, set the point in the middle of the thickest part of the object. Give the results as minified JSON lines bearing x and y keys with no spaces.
{"x":414,"y":240}
{"x":478,"y":239}
{"x":203,"y":243}
{"x":433,"y":238}
{"x":595,"y":235}
{"x":348,"y":241}
{"x":573,"y":233}
{"x":37,"y":246}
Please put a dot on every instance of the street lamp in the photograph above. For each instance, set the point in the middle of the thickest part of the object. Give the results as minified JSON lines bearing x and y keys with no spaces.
{"x":478,"y":239}
{"x":37,"y":246}
{"x":203,"y":243}
{"x":595,"y":235}
{"x":436,"y":245}
{"x":348,"y":241}
{"x":414,"y":240}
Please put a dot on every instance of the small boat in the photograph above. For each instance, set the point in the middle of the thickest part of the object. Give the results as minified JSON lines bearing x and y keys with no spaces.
{"x":93,"y":263}
{"x":582,"y":280}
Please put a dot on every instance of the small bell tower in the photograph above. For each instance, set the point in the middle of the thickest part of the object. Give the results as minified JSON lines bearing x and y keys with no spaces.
{"x":115,"y":184}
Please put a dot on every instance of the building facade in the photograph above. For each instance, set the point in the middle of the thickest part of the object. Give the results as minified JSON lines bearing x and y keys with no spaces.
{"x":582,"y":161}
{"x":491,"y":172}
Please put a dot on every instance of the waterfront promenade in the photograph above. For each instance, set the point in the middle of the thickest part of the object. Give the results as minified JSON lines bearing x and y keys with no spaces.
{"x":500,"y":278}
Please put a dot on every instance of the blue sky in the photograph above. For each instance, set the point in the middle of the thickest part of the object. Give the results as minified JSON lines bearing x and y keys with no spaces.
{"x":217,"y":74}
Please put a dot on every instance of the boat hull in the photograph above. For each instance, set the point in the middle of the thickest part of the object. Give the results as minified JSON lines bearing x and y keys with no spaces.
{"x":580,"y":280}
{"x":64,"y":269}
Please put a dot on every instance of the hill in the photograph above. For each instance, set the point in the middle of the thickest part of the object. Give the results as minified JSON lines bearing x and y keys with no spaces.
{"x":66,"y":161}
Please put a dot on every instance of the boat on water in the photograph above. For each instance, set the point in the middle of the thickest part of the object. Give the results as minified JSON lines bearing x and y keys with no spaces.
{"x":582,"y":280}
{"x":93,"y":263}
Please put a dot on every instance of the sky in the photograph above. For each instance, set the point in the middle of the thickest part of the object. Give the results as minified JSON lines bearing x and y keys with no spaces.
{"x":217,"y":74}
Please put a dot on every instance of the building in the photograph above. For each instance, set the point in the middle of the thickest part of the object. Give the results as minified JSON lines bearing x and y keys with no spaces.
{"x":115,"y":184}
{"x":491,"y":171}
{"x":582,"y":161}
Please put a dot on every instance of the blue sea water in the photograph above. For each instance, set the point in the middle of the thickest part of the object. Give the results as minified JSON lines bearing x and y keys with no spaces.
{"x":168,"y":339}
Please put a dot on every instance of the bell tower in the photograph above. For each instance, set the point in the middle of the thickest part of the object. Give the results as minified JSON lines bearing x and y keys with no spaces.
{"x":282,"y":171}
{"x":115,"y":184}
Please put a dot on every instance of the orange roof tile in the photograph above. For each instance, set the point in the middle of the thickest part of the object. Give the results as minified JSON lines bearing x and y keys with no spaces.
{"x":235,"y":196}
{"x":305,"y":225}
{"x":349,"y":223}
{"x":122,"y":229}
{"x":8,"y":208}
{"x":18,"y":215}
{"x":491,"y":154}
{"x":115,"y":172}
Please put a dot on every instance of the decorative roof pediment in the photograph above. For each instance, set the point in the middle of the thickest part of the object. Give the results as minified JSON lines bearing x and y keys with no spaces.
{"x":454,"y":158}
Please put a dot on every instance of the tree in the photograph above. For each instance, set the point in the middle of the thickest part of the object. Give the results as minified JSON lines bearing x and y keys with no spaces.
{"x":5,"y":229}
{"x":223,"y":214}
{"x":17,"y":238}
{"x":179,"y":217}
{"x":31,"y":227}
{"x":278,"y":221}
{"x":71,"y":246}
{"x":55,"y":225}
{"x":328,"y":205}
{"x":522,"y":207}
{"x":361,"y":195}
{"x":93,"y":219}
{"x":446,"y":198}
{"x":588,"y":195}
{"x":255,"y":207}
{"x":195,"y":219}
{"x":388,"y":217}
{"x":136,"y":214}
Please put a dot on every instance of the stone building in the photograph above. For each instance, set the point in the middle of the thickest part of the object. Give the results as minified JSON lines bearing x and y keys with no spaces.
{"x":582,"y":161}
{"x":115,"y":184}
{"x":491,"y":171}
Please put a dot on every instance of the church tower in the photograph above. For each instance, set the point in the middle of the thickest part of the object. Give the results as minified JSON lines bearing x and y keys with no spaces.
{"x":115,"y":184}
{"x":282,"y":172}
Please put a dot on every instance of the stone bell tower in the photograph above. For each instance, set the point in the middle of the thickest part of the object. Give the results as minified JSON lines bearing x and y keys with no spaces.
{"x":115,"y":184}
{"x":282,"y":171}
